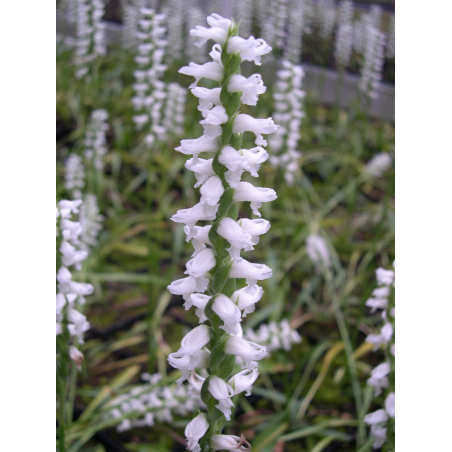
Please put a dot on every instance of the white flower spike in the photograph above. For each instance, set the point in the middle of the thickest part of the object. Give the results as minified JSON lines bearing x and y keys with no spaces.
{"x":218,"y":174}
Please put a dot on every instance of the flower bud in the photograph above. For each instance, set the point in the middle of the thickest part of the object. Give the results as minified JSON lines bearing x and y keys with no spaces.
{"x":76,"y":356}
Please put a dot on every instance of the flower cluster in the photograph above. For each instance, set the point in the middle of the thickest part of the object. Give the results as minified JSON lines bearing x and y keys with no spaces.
{"x":243,"y":12}
{"x":318,"y":252}
{"x":90,"y":33}
{"x":74,"y":175}
{"x":96,"y":140}
{"x":288,"y":97}
{"x":296,"y":27}
{"x":382,"y":376}
{"x":149,"y":89}
{"x":70,"y":293}
{"x":173,"y":114}
{"x":207,"y":354}
{"x":274,"y":336}
{"x":152,"y":402}
{"x":378,"y":164}
{"x":390,"y":39}
{"x":175,"y":12}
{"x":325,"y":17}
{"x":344,"y":35}
{"x":91,"y":221}
{"x":373,"y":62}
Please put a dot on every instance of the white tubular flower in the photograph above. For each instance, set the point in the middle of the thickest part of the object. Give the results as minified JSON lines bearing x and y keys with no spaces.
{"x":251,"y":87}
{"x":246,"y":298}
{"x":249,"y":351}
{"x":376,"y":417}
{"x":230,"y":443}
{"x":217,"y":34}
{"x":255,"y":227}
{"x":249,"y":271}
{"x":186,"y":286}
{"x":378,"y":165}
{"x":200,"y":301}
{"x":384,"y":277}
{"x":202,"y":169}
{"x":78,"y":324}
{"x":250,"y":49}
{"x":207,"y":98}
{"x":222,"y":392}
{"x":257,"y":195}
{"x":192,"y":215}
{"x":383,"y":338}
{"x":200,"y":238}
{"x":185,"y":363}
{"x":201,"y":264}
{"x":379,"y":435}
{"x":234,"y":234}
{"x":198,"y":145}
{"x":390,"y":405}
{"x":228,"y":312}
{"x":214,"y":118}
{"x":215,"y":20}
{"x":76,"y":356}
{"x":195,"y":430}
{"x":211,"y":70}
{"x":194,"y":341}
{"x":211,"y":192}
{"x":318,"y":252}
{"x":243,"y":381}
{"x":246,"y":123}
{"x":379,"y":377}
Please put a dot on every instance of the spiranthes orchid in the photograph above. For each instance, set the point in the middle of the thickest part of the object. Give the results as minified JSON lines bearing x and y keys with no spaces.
{"x":211,"y":348}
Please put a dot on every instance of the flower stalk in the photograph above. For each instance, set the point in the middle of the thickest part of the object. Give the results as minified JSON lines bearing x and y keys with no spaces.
{"x":208,"y":354}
